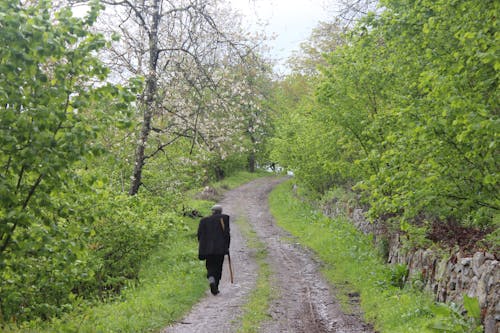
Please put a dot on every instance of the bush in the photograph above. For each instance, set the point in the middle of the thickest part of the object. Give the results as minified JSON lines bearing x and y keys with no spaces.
{"x":93,"y":249}
{"x":121,"y":239}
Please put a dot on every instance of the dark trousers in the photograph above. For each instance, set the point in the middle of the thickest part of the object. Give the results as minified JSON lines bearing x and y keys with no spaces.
{"x":214,"y":266}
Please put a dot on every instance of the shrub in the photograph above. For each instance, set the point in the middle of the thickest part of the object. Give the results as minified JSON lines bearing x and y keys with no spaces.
{"x":128,"y":229}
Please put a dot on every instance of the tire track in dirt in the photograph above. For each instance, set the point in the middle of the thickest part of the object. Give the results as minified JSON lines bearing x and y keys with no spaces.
{"x":304,"y":301}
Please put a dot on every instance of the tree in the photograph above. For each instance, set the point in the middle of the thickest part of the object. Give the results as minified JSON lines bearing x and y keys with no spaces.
{"x":50,"y":83}
{"x":351,"y":11}
{"x":445,"y":108}
{"x":301,"y":140}
{"x":325,"y":38}
{"x":45,"y":87}
{"x":183,"y":50}
{"x":412,"y":99}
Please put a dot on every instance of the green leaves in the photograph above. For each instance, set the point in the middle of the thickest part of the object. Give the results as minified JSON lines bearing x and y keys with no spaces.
{"x":409,"y":106}
{"x":46,"y":101}
{"x":471,"y":305}
{"x":450,"y":318}
{"x":53,"y":104}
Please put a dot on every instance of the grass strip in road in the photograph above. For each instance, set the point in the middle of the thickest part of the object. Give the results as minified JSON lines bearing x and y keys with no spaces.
{"x":352,"y":264}
{"x":256,"y":310}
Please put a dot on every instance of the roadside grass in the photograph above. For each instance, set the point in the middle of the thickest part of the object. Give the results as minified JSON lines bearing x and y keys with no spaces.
{"x":255,"y":311}
{"x":353,"y":265}
{"x":171,"y":281}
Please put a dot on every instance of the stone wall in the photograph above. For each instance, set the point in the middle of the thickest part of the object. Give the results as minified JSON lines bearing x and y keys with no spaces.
{"x":451,"y":276}
{"x":448,"y":276}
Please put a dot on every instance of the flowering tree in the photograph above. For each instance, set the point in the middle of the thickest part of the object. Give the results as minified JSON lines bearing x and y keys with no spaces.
{"x":185,"y":50}
{"x":237,"y":121}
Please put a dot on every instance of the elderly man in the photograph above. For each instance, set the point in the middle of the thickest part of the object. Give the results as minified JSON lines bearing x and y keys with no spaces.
{"x":214,"y":238}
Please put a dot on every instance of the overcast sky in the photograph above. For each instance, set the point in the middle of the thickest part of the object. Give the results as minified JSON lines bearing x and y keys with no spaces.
{"x":291,"y":21}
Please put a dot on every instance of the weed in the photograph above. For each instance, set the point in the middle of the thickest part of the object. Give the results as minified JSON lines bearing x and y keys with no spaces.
{"x":399,"y":275}
{"x":256,"y":309}
{"x":456,"y":322}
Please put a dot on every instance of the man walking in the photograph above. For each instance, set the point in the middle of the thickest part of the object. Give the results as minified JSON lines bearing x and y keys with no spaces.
{"x":214,"y":238}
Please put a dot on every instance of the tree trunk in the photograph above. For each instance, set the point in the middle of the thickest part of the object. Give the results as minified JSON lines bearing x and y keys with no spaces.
{"x":219,"y":173}
{"x":149,"y":101}
{"x":140,"y":156}
{"x":251,"y":156}
{"x":251,"y":162}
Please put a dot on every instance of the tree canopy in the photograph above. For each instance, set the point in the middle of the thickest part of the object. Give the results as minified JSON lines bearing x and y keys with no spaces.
{"x":407,"y":111}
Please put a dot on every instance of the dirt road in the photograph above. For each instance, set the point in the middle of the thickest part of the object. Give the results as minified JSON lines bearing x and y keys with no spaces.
{"x":304,"y":302}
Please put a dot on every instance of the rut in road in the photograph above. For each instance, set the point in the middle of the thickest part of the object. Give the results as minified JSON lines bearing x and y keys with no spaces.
{"x":303,"y":302}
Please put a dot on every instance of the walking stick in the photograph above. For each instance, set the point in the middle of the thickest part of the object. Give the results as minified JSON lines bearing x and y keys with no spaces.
{"x":230,"y":267}
{"x":228,"y":255}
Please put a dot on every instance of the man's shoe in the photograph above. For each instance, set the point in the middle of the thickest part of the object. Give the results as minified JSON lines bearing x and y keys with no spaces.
{"x":213,"y":286}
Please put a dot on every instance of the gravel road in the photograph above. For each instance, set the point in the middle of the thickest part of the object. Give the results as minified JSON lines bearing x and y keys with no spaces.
{"x":303,"y":303}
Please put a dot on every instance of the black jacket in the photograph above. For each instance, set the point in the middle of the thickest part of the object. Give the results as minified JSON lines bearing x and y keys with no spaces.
{"x":213,"y":238}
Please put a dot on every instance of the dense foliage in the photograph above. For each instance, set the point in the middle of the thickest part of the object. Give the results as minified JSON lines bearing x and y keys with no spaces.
{"x":47,"y":125}
{"x":68,"y":232}
{"x":407,"y":111}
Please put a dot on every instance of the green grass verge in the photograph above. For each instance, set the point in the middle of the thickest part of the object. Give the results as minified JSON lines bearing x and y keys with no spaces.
{"x":255,"y":311}
{"x":351,"y":263}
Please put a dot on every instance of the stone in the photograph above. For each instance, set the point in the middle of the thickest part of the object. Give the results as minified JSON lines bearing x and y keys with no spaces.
{"x":489,"y":256}
{"x":490,"y":325}
{"x":441,"y":270}
{"x":482,"y":293}
{"x":466,"y":261}
{"x":477,"y":261}
{"x":472,"y":290}
{"x":497,"y":311}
